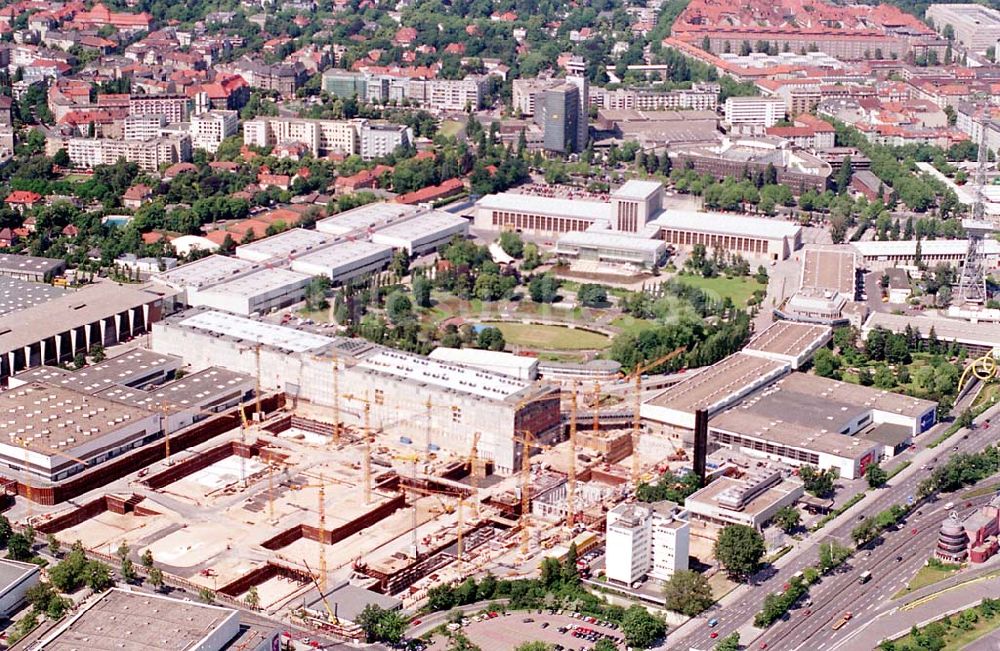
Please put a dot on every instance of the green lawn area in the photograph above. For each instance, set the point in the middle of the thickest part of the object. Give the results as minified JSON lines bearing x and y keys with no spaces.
{"x":738,"y":289}
{"x":987,"y":396}
{"x":926,"y":576}
{"x":721,"y":585}
{"x":76,"y":178}
{"x":550,"y":337}
{"x":982,"y":490}
{"x":451,"y":128}
{"x":632,"y":325}
{"x":319,"y":316}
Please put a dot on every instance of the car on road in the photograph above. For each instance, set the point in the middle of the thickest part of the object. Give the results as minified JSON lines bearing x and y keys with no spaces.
{"x":899,"y":559}
{"x":914,"y":531}
{"x":713,"y":634}
{"x":712,"y":623}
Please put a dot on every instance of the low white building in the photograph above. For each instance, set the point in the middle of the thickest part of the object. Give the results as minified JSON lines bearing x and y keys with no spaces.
{"x":517,"y":366}
{"x":612,"y":248}
{"x":423,"y":233}
{"x":258,"y":292}
{"x":16,"y":579}
{"x":646,"y":540}
{"x":344,"y":261}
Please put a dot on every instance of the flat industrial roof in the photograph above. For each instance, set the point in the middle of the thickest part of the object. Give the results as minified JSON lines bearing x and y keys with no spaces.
{"x":422,"y":225}
{"x":121,"y":369}
{"x":17,"y":295}
{"x":984,"y":334}
{"x":133,"y":621}
{"x":190,"y":390}
{"x":797,"y":420}
{"x":344,"y":253}
{"x":789,"y":338}
{"x":874,"y":249}
{"x":12,"y":572}
{"x":724,"y":224}
{"x":260,"y":282}
{"x":290,"y":243}
{"x":266,"y":334}
{"x":51,"y":418}
{"x":823,"y":389}
{"x":205,"y":271}
{"x":533,"y":204}
{"x":717,"y":383}
{"x":86,"y":305}
{"x":29,"y":263}
{"x":365,"y":217}
{"x":449,"y":376}
{"x":831,"y":269}
{"x":635,"y":189}
{"x":610,"y":240}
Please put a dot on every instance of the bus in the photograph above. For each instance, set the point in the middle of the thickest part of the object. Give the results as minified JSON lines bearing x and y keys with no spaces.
{"x":865,"y":577}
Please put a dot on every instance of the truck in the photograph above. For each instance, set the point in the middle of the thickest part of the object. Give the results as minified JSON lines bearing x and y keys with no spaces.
{"x":840,"y":623}
{"x":865,"y":577}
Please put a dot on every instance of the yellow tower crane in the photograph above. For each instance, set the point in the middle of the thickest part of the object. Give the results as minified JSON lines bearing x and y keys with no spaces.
{"x":474,"y":473}
{"x":527,"y":442}
{"x":571,"y":472}
{"x":336,"y":399}
{"x":367,"y":435}
{"x":321,"y":510}
{"x":637,"y":407}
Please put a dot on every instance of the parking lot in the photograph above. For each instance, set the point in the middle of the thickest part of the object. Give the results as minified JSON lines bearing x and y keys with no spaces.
{"x":508,"y":631}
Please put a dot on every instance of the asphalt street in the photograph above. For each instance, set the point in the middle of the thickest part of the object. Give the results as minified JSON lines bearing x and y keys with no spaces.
{"x":736,"y":613}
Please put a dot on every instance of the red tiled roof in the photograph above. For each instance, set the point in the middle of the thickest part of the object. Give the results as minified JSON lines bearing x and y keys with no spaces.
{"x":433,"y":192}
{"x":23,"y":196}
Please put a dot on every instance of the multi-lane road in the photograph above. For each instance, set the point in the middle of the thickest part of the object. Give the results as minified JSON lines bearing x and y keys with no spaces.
{"x":842,"y":592}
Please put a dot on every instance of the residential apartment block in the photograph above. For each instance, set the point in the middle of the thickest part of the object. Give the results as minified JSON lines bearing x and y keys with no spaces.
{"x":210,"y":128}
{"x":324,"y":137}
{"x":173,"y":108}
{"x":85,"y":153}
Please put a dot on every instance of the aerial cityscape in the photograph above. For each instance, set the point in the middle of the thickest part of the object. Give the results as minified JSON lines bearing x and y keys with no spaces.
{"x":499,"y":325}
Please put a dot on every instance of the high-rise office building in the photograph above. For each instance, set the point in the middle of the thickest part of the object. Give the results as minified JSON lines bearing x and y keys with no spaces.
{"x":561,"y":119}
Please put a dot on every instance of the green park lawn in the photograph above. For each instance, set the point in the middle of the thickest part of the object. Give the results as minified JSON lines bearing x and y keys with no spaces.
{"x":451,"y":128}
{"x":738,"y":289}
{"x":630,"y":324}
{"x":549,"y":337}
{"x":924,"y":577}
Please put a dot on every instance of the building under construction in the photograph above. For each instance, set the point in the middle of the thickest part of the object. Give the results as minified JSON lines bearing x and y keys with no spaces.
{"x":428,"y":404}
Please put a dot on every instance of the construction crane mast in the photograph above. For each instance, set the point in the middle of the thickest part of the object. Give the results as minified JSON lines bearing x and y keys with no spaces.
{"x":527,"y":442}
{"x":336,"y":399}
{"x":637,"y":407}
{"x":571,"y":477}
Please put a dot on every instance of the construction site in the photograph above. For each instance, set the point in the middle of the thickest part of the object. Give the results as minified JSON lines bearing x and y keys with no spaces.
{"x":286,"y":497}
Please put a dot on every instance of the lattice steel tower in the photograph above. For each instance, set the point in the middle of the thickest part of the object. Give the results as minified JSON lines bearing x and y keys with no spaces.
{"x":972,"y":280}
